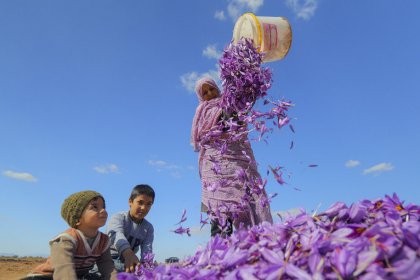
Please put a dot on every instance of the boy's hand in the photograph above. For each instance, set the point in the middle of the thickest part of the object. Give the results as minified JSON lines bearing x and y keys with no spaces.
{"x":130,"y":260}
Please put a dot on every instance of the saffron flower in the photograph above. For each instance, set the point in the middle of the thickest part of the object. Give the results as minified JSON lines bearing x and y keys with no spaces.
{"x":181,"y":230}
{"x":183,"y":218}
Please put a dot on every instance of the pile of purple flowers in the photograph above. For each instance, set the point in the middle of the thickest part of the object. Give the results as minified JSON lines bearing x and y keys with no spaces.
{"x":371,"y":239}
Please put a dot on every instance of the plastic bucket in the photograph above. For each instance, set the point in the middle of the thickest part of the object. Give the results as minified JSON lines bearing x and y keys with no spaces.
{"x":271,"y":35}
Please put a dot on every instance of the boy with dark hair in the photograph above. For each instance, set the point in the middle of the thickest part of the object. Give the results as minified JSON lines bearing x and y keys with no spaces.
{"x":129,"y":230}
{"x":75,"y":251}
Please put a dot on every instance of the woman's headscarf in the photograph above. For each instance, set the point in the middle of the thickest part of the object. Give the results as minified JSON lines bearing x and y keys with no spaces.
{"x":206,"y":114}
{"x":199,"y":87}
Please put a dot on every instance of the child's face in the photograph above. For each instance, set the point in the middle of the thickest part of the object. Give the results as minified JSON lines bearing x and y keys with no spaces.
{"x":209,"y":92}
{"x":140,"y":206}
{"x":94,"y":215}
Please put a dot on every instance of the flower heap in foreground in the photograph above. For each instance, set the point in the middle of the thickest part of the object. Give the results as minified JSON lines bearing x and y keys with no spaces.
{"x":378,"y":239}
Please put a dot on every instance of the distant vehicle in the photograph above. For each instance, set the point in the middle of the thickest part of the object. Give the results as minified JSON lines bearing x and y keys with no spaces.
{"x":172,"y":260}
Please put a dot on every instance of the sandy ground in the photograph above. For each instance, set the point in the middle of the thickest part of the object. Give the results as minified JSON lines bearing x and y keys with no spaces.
{"x":16,"y":268}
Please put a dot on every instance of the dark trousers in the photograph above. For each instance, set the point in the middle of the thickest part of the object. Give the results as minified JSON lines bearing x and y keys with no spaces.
{"x":224,"y":231}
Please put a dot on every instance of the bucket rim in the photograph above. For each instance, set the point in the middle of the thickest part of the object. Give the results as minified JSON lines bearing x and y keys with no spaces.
{"x":257,"y":22}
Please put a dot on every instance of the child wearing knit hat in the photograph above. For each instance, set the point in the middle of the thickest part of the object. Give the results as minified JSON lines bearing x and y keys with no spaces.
{"x":75,"y":251}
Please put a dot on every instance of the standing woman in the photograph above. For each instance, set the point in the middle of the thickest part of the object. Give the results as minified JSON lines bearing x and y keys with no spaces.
{"x":222,"y":189}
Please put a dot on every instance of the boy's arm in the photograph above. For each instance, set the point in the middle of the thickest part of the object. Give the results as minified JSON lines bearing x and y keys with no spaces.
{"x":147,"y":245}
{"x":106,"y":266}
{"x":119,"y":241}
{"x":62,"y":259}
{"x":116,"y":233}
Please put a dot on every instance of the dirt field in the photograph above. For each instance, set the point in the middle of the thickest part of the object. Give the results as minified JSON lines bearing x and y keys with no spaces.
{"x":12,"y":268}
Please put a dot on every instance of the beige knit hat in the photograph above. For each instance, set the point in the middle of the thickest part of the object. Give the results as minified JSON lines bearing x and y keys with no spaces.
{"x":73,"y":206}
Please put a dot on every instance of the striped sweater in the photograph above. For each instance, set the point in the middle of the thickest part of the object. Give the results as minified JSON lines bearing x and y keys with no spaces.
{"x":72,"y":256}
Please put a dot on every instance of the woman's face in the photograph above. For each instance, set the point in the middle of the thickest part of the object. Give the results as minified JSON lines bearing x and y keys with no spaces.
{"x":209,"y":92}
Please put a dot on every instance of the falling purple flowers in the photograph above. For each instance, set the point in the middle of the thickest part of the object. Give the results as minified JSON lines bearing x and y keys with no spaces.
{"x":278,"y":175}
{"x":370,"y":239}
{"x":183,"y":218}
{"x":244,"y":82}
{"x":181,"y":230}
{"x":243,"y":79}
{"x":203,"y":222}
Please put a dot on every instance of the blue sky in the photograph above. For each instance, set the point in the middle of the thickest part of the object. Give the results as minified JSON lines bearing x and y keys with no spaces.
{"x":98,"y":95}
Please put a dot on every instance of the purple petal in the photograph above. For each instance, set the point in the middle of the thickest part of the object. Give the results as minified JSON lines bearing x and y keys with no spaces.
{"x":296,"y":272}
{"x":345,"y":262}
{"x":292,"y":128}
{"x":183,"y":218}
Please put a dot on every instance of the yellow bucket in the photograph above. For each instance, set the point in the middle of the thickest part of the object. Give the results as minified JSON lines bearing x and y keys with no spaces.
{"x":271,"y":35}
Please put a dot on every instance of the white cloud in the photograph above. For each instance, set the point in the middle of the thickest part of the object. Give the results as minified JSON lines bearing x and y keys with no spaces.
{"x":379,"y":168}
{"x":188,"y":80}
{"x":176,"y":174}
{"x":20,"y":176}
{"x":237,"y":7}
{"x":158,"y":163}
{"x":220,"y":15}
{"x":174,"y":170}
{"x":105,"y":169}
{"x":304,"y":9}
{"x":352,"y":163}
{"x":285,"y":214}
{"x":197,"y":230}
{"x":161,"y":164}
{"x":211,"y":52}
{"x":215,"y":74}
